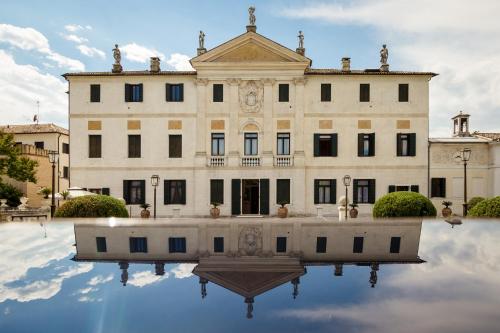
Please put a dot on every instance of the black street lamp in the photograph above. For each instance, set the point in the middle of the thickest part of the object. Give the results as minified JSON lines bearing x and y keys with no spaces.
{"x":464,"y":155}
{"x":347,"y":183}
{"x":53,"y":155}
{"x":155,"y":180}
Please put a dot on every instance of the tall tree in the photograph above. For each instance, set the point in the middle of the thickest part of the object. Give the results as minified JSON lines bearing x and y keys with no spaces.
{"x":12,"y":164}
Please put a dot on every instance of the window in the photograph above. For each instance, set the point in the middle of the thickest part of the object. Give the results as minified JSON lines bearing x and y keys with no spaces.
{"x":65,"y":172}
{"x":217,"y":191}
{"x":134,"y":146}
{"x":364,"y":190}
{"x":218,"y":93}
{"x":133,"y":92}
{"x":364,"y":92}
{"x":280,"y":244}
{"x":218,"y":244}
{"x":438,"y":187}
{"x":138,"y":244}
{"x":105,"y":191}
{"x":366,"y":144}
{"x":134,"y":192}
{"x":65,"y":148}
{"x":95,"y":93}
{"x":282,"y":191}
{"x":174,"y":92}
{"x":39,"y":144}
{"x":175,"y":192}
{"x":326,"y":92}
{"x":357,"y":246}
{"x":94,"y":190}
{"x":406,"y":144}
{"x":283,"y":143}
{"x":325,"y":144}
{"x":175,"y":146}
{"x":177,"y":244}
{"x":395,"y":244}
{"x":101,"y":244}
{"x":94,"y":146}
{"x":403,"y":188}
{"x":251,"y":147}
{"x":403,"y":92}
{"x":218,"y":144}
{"x":321,"y":245}
{"x":283,"y":92}
{"x":325,"y":191}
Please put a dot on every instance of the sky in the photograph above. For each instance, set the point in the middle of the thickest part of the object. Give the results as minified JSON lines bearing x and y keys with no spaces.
{"x":460,"y":40}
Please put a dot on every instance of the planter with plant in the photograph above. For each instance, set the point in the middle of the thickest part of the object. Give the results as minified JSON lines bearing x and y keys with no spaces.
{"x":65,"y":195}
{"x":446,"y":211}
{"x":145,"y":213}
{"x":283,"y":210}
{"x":45,"y":192}
{"x":353,"y":212}
{"x":215,"y":211}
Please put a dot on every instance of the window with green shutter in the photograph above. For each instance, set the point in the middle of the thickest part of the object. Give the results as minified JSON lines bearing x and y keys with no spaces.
{"x":282,"y":191}
{"x":216,"y":191}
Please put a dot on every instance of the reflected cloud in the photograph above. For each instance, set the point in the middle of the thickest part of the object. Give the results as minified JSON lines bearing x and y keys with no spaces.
{"x":99,"y":279}
{"x":182,"y":271}
{"x":144,"y":278}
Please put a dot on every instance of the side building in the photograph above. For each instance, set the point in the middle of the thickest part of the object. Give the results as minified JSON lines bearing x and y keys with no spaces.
{"x":251,"y":127}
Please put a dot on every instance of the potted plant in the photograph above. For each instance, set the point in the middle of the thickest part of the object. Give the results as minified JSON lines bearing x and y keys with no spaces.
{"x":145,"y":213}
{"x":446,"y":211}
{"x":282,"y":211}
{"x":65,"y":195}
{"x":353,"y":212}
{"x":215,"y":211}
{"x":45,"y":192}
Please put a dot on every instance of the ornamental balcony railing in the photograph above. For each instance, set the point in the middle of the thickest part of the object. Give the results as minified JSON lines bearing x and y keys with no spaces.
{"x":253,"y":161}
{"x":216,"y":161}
{"x":283,"y":161}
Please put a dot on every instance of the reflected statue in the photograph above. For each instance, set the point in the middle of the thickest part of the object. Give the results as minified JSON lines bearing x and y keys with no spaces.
{"x":249,"y":302}
{"x":124,"y":277}
{"x":203,"y":284}
{"x":373,"y":274}
{"x":295,"y":283}
{"x":159,"y":268}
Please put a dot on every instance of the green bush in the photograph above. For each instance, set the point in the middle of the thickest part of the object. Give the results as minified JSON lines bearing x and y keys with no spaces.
{"x":92,"y":206}
{"x":403,"y":204}
{"x":486,"y":208}
{"x":473,"y":202}
{"x":10,"y":193}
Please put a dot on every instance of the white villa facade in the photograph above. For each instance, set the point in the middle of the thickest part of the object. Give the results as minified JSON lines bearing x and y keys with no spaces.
{"x":254,"y":125}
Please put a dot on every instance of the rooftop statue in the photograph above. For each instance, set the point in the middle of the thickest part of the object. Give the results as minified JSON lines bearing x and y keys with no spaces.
{"x":301,"y":40}
{"x":384,"y":54}
{"x":201,"y":40}
{"x":251,"y":16}
{"x":117,"y":55}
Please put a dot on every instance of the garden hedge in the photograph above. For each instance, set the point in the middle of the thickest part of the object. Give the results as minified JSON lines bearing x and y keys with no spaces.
{"x":10,"y":193}
{"x":92,"y":206}
{"x":486,"y":208}
{"x":473,"y":202}
{"x":403,"y":204}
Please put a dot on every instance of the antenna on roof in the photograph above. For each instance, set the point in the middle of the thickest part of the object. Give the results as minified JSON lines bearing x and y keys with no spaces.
{"x":37,"y":116}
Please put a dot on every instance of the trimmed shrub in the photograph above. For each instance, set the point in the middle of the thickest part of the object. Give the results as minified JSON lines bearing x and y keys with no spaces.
{"x":92,"y":206}
{"x":403,"y":204}
{"x":473,"y":202}
{"x":10,"y":193}
{"x":486,"y":208}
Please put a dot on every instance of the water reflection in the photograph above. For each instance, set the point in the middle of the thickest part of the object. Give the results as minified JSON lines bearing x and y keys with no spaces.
{"x":249,"y":258}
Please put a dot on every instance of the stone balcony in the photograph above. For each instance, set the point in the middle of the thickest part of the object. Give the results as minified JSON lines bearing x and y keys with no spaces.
{"x":216,"y":161}
{"x":251,"y":161}
{"x":283,"y":161}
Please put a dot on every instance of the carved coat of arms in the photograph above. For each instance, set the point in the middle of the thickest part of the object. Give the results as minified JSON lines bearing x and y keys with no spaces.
{"x":251,"y":96}
{"x":250,"y":241}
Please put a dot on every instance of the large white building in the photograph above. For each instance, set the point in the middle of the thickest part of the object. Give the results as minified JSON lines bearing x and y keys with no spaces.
{"x":252,"y":126}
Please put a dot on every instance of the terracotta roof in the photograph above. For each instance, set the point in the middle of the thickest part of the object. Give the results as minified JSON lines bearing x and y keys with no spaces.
{"x":130,"y":73}
{"x":334,"y":71}
{"x":489,"y":136}
{"x":33,"y":128}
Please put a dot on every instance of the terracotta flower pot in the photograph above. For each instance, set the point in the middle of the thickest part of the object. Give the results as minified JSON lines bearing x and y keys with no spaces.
{"x":353,"y":213}
{"x":214,"y":212}
{"x":145,"y":214}
{"x":282,"y":212}
{"x":446,"y":212}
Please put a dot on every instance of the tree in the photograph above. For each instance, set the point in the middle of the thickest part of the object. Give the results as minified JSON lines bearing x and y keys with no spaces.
{"x":12,"y":164}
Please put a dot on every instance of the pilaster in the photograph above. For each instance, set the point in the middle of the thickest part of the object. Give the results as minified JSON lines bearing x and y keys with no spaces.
{"x":200,"y":151}
{"x":268,"y":126}
{"x":234,"y":107}
{"x":299,"y":120}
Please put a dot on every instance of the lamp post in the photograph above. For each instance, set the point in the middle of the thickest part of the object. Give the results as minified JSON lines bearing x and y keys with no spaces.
{"x":53,"y":155}
{"x":465,"y":156}
{"x":347,"y":182}
{"x":155,"y":179}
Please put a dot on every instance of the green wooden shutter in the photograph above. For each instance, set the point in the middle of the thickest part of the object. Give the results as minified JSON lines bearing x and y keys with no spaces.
{"x":392,"y":188}
{"x":126,"y":194}
{"x":399,"y":149}
{"x":414,"y":188}
{"x":371,"y":190}
{"x":413,"y":144}
{"x":140,"y":92}
{"x":282,"y":191}
{"x":143,"y":192}
{"x":334,"y":144}
{"x":181,"y":93}
{"x":216,"y":191}
{"x":360,"y":144}
{"x":372,"y":144}
{"x":316,"y":144}
{"x":166,"y":192}
{"x":333,"y":191}
{"x":105,"y":191}
{"x":127,"y":92}
{"x":167,"y":92}
{"x":183,"y":194}
{"x":355,"y":191}
{"x":316,"y":191}
{"x":264,"y":196}
{"x":235,"y":196}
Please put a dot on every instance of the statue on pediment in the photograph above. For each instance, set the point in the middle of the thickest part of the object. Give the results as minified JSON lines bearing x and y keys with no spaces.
{"x":201,"y":40}
{"x":251,"y":95}
{"x":251,"y":15}
{"x":384,"y":55}
{"x":117,"y":67}
{"x":301,"y":40}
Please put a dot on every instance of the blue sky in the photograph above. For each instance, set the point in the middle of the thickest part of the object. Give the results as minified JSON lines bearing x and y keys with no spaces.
{"x":41,"y":40}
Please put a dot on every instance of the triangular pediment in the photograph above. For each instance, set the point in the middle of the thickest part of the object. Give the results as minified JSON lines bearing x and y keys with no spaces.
{"x":250,"y":47}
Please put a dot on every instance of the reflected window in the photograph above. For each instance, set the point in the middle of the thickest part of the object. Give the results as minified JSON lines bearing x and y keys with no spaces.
{"x":321,"y":245}
{"x":280,"y":244}
{"x":218,"y":244}
{"x":138,"y":245}
{"x":395,"y":244}
{"x":357,"y":246}
{"x":101,"y":244}
{"x":177,"y":245}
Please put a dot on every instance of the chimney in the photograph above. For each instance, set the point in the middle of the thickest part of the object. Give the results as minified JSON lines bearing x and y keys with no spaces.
{"x":155,"y":65}
{"x":346,"y":64}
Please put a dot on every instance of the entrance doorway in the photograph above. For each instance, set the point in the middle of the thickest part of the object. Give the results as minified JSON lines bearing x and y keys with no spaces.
{"x":250,"y":196}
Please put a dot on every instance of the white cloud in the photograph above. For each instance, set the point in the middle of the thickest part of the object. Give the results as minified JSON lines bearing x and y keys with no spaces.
{"x":180,"y":62}
{"x":23,"y":85}
{"x":458,"y":40}
{"x":91,"y":51}
{"x":138,"y":53}
{"x":76,"y":27}
{"x":75,"y":38}
{"x":99,"y":279}
{"x":30,"y":39}
{"x":144,"y":278}
{"x":88,"y":299}
{"x":182,"y":271}
{"x":87,"y":290}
